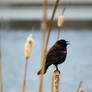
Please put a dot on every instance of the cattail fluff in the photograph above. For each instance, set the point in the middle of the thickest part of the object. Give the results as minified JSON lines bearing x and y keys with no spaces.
{"x":28,"y":46}
{"x":60,"y":21}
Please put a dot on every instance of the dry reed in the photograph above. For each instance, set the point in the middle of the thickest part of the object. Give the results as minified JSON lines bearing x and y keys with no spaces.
{"x":44,"y":28}
{"x":44,"y":21}
{"x":44,"y":24}
{"x":54,"y":76}
{"x":1,"y":76}
{"x":46,"y":47}
{"x":28,"y":49}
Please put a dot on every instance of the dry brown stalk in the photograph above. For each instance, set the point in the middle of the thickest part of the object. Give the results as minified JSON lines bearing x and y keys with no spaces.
{"x":60,"y":24}
{"x":51,"y":21}
{"x":44,"y":20}
{"x":44,"y":23}
{"x":25,"y":73}
{"x":46,"y":46}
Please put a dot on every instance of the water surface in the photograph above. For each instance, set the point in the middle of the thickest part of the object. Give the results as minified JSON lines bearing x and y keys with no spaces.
{"x":78,"y":64}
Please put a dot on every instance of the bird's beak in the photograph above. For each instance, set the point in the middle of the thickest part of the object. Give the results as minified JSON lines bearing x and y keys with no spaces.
{"x":67,"y":42}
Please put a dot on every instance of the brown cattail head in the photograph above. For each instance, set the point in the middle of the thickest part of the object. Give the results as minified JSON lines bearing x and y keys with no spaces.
{"x":28,"y":46}
{"x":60,"y":21}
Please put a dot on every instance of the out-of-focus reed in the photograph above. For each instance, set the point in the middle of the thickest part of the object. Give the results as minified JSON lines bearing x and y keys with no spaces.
{"x":28,"y":50}
{"x":44,"y":28}
{"x":44,"y":21}
{"x":1,"y":74}
{"x":46,"y":47}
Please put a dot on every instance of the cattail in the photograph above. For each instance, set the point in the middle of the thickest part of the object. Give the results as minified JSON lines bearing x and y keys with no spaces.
{"x":81,"y":90}
{"x":60,"y":21}
{"x":28,"y":49}
{"x":28,"y":46}
{"x":57,"y":81}
{"x":53,"y":78}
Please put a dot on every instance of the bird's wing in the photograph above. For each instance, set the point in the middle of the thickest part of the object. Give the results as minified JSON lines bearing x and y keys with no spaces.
{"x":55,"y":55}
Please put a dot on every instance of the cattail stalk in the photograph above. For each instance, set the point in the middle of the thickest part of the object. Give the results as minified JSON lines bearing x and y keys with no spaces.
{"x":57,"y":81}
{"x":46,"y":46}
{"x":60,"y":24}
{"x":53,"y":78}
{"x":44,"y":21}
{"x":28,"y":50}
{"x":25,"y":73}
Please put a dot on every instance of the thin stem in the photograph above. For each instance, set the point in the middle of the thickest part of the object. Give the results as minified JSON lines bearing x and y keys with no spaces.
{"x":44,"y":23}
{"x":63,"y":10}
{"x":51,"y":21}
{"x":25,"y":74}
{"x":58,"y":36}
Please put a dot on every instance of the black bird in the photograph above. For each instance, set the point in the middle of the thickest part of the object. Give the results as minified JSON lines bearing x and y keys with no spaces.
{"x":56,"y":55}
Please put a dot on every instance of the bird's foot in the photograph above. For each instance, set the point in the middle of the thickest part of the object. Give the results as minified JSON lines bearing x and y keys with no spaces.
{"x":57,"y":70}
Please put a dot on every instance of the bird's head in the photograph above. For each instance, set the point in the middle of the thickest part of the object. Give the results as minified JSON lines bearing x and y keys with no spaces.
{"x":63,"y":42}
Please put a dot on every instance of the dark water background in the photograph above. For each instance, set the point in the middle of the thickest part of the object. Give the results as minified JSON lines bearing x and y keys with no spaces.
{"x":78,"y":64}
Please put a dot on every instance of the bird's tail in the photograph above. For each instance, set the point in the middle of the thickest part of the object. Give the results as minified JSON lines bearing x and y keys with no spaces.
{"x":40,"y":71}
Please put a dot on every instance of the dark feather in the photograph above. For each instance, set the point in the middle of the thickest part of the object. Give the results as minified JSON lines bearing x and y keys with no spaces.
{"x":56,"y":54}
